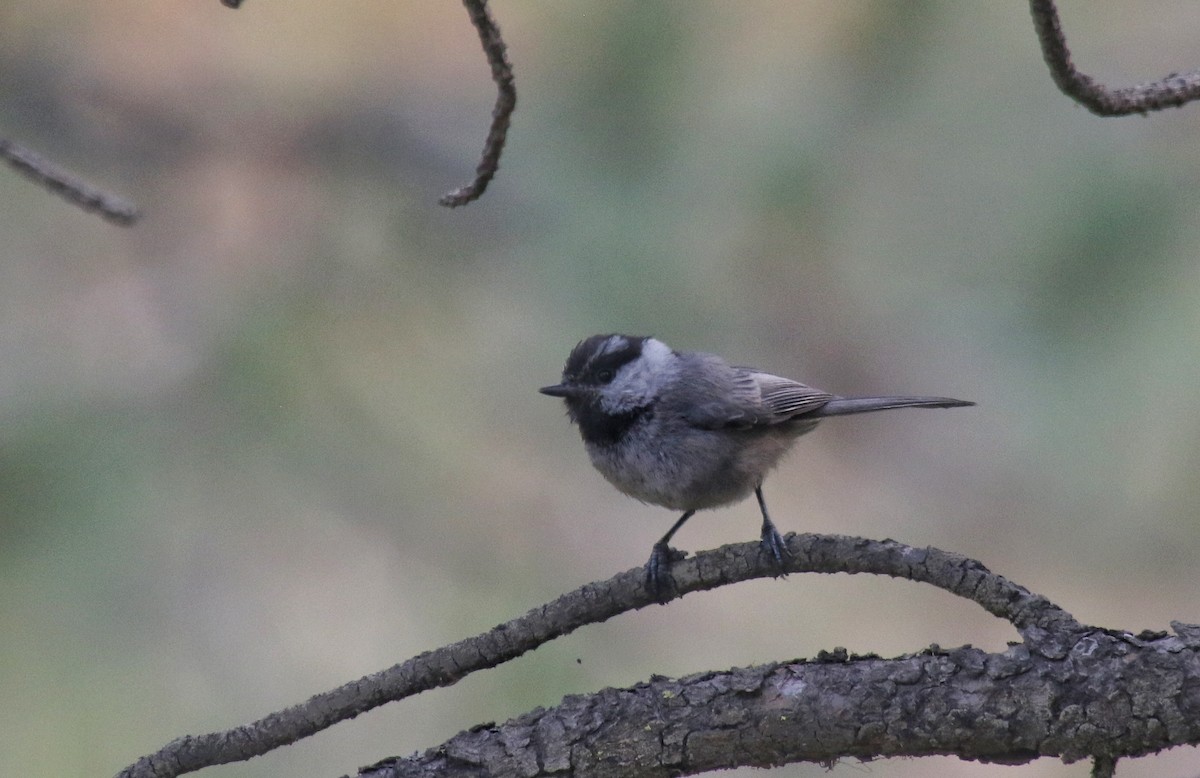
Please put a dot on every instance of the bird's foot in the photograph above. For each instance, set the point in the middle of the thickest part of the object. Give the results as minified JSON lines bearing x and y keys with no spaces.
{"x":659,"y":582}
{"x":775,"y":548}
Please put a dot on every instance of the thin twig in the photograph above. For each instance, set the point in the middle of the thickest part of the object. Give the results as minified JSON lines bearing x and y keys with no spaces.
{"x":68,"y":186}
{"x":1047,"y":629}
{"x":506,"y":103}
{"x":1171,"y":91}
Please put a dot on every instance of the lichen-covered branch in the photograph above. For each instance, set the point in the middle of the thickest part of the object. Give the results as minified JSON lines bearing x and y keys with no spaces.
{"x":1109,"y":695}
{"x":1171,"y":91}
{"x":1045,"y":626}
{"x":506,"y":103}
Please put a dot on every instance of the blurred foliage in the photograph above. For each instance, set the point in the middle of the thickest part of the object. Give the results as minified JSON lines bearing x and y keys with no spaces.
{"x":285,"y":432}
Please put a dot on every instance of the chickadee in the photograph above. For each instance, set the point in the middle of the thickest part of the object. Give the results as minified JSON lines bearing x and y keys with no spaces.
{"x":688,"y":431}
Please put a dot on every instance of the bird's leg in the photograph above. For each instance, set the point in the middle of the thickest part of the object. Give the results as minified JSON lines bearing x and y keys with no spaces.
{"x":658,"y":569}
{"x":772,"y":543}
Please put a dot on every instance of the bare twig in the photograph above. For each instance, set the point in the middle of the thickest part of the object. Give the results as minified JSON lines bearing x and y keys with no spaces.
{"x":506,"y":103}
{"x":1048,"y":630}
{"x":67,"y":186}
{"x":1171,"y":91}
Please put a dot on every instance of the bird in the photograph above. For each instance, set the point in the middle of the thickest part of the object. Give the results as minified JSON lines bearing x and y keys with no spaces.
{"x":688,"y":431}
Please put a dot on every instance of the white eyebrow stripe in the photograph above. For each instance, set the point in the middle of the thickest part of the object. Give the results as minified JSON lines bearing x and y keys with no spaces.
{"x":613,"y":344}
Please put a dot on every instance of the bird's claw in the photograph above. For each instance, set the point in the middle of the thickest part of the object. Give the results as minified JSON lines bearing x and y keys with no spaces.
{"x":776,"y":549}
{"x":659,"y":582}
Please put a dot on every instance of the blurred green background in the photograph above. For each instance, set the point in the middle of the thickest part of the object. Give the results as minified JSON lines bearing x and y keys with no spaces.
{"x":285,"y":432}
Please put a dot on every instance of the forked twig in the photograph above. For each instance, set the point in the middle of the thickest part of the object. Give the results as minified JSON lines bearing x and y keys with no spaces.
{"x":1047,"y":629}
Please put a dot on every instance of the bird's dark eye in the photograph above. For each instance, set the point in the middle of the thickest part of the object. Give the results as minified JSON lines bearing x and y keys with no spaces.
{"x":604,"y":376}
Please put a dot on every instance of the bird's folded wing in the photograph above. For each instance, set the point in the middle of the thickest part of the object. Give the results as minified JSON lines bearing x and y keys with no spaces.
{"x":757,"y":399}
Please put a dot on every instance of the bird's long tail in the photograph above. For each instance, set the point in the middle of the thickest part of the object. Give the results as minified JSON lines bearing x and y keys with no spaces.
{"x":844,"y":406}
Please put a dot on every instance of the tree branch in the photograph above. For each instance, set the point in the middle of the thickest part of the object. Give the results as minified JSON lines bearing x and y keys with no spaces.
{"x":1112,"y":694}
{"x":1171,"y":91}
{"x":506,"y":103}
{"x":1046,"y":628}
{"x":67,"y":186}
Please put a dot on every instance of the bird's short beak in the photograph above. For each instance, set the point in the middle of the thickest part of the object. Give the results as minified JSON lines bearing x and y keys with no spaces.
{"x":560,"y":390}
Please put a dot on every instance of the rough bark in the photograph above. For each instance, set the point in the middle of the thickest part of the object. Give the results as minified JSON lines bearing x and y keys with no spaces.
{"x":1106,"y":694}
